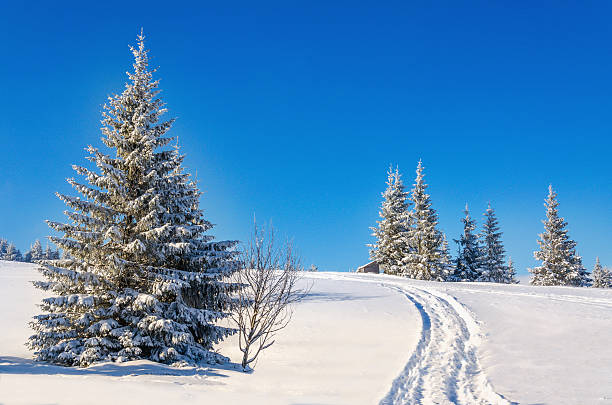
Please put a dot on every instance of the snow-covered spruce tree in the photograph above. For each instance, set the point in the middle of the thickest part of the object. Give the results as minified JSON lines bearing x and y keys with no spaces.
{"x":561,"y":265}
{"x":50,"y":254}
{"x":390,"y":247}
{"x":602,"y":278}
{"x":3,"y":247}
{"x":493,"y":252}
{"x":447,"y":260}
{"x":141,"y":279}
{"x":469,"y":259}
{"x":35,"y":253}
{"x":425,"y":258}
{"x":12,"y":254}
{"x":510,"y":273}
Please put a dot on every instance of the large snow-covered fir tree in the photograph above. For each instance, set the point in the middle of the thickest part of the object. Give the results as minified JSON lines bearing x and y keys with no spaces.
{"x":602,"y":278}
{"x":561,"y":265}
{"x":425,"y":258}
{"x":493,"y":267}
{"x":391,"y":247}
{"x":141,"y":278}
{"x":469,"y":257}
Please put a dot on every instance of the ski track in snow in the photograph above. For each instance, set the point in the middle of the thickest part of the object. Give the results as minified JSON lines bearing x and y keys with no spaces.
{"x":444,"y":368}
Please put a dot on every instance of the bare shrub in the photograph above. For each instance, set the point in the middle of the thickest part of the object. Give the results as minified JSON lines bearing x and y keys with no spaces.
{"x":268,"y":274}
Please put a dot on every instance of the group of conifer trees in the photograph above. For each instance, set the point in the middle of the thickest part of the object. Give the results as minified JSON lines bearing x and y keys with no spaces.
{"x":9,"y":252}
{"x":409,"y":243}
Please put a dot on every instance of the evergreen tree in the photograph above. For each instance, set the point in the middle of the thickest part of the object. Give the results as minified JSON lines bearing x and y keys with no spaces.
{"x":425,"y":258}
{"x":390,"y":247}
{"x":602,"y":277}
{"x":50,"y":254}
{"x":141,"y":279}
{"x":65,"y":255}
{"x":493,"y":252}
{"x":510,"y":275}
{"x":35,"y":253}
{"x":469,"y":259}
{"x":561,"y":265}
{"x":12,"y":254}
{"x":3,"y":247}
{"x":447,"y":261}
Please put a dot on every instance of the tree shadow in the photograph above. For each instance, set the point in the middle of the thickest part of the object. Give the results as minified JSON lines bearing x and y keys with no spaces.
{"x":334,"y":296}
{"x":19,"y":365}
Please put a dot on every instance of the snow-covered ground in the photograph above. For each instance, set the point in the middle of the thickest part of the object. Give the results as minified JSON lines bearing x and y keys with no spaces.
{"x":358,"y":339}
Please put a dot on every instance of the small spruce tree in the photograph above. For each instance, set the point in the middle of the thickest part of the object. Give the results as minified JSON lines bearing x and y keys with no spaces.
{"x":447,"y":260}
{"x":3,"y":247}
{"x":12,"y":254}
{"x":49,"y":254}
{"x":469,"y":259}
{"x":425,"y":258}
{"x":602,"y":278}
{"x":510,"y":274}
{"x":391,"y":247}
{"x":493,"y":252}
{"x":561,"y":265}
{"x":35,"y":253}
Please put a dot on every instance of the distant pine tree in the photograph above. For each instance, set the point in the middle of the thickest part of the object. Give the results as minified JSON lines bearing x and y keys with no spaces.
{"x":12,"y":254}
{"x":447,"y":260}
{"x":510,"y":274}
{"x":602,"y":277}
{"x":425,"y":258}
{"x":3,"y":247}
{"x":35,"y":253}
{"x":469,"y":260}
{"x":391,"y":234}
{"x":493,"y":252}
{"x":140,"y":278}
{"x":561,"y":265}
{"x":50,"y":254}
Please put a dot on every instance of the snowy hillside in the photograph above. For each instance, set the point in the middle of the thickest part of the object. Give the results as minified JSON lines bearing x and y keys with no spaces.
{"x":358,"y":339}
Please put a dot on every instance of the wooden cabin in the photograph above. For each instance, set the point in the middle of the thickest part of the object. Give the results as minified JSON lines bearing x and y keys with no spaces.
{"x":371,"y":267}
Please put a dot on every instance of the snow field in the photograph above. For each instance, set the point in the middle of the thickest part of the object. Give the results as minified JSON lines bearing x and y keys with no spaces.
{"x":358,"y":339}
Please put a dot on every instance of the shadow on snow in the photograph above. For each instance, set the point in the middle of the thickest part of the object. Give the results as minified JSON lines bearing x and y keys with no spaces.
{"x":332,"y":296}
{"x":19,"y":365}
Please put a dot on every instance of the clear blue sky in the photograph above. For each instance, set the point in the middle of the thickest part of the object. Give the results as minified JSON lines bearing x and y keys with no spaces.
{"x":294,"y":111}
